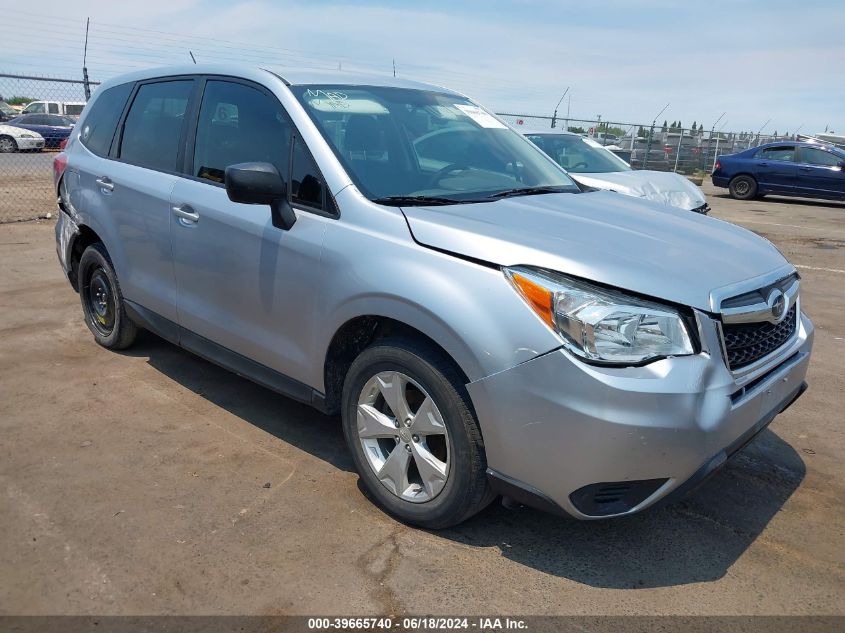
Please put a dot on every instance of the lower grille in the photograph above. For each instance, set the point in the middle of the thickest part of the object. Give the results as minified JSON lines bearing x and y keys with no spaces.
{"x":746,"y":343}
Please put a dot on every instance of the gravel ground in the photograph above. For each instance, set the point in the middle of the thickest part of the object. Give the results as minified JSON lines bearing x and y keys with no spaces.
{"x":136,"y":483}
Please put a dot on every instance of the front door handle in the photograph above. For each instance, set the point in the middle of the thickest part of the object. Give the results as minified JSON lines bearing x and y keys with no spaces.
{"x":186,"y":214}
{"x":105,"y":183}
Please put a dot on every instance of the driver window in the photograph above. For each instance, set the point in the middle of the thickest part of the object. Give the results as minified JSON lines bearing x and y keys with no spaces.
{"x":239,"y":124}
{"x":811,"y":156}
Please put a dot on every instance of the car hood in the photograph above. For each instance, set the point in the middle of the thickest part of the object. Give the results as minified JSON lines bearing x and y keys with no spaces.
{"x":616,"y":240}
{"x":659,"y":186}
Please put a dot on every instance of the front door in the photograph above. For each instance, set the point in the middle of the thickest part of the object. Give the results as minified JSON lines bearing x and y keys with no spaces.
{"x":243,"y":283}
{"x":821,"y":173}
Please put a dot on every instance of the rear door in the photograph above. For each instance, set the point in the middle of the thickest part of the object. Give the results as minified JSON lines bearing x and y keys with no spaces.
{"x":776,"y":168}
{"x":243,"y":283}
{"x":136,"y":189}
{"x":821,"y":173}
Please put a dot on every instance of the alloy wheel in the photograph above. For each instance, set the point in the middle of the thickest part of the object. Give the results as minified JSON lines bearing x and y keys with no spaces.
{"x":403,"y":436}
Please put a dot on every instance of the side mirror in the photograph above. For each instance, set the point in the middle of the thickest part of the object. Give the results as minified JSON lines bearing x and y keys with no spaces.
{"x":260,"y":183}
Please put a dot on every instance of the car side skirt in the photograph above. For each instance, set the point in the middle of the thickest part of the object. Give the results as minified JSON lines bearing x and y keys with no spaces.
{"x":224,"y":357}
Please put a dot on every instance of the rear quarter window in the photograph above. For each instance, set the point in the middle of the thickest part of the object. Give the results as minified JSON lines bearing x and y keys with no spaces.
{"x":100,"y":124}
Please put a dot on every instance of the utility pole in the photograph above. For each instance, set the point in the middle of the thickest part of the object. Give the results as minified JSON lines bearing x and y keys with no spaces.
{"x":554,"y":116}
{"x":651,"y":135}
{"x":86,"y":86}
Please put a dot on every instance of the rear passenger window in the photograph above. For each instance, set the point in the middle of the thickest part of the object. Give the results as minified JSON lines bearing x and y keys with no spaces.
{"x":101,"y":121}
{"x":238,"y":124}
{"x":306,"y":186}
{"x":776,"y":153}
{"x":54,"y":108}
{"x":154,"y":124}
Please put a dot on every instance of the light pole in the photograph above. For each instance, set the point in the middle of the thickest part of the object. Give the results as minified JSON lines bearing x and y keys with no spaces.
{"x":554,"y":116}
{"x":757,"y":139}
{"x":710,"y":138}
{"x":651,"y":135}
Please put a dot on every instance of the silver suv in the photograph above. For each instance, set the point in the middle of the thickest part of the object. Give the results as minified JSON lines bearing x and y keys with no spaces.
{"x":392,"y":252}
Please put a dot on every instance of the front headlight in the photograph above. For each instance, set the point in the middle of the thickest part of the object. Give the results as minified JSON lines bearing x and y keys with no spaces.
{"x":600,"y":325}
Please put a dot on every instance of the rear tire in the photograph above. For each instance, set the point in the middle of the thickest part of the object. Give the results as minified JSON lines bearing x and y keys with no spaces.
{"x":102,"y":300}
{"x":7,"y":145}
{"x":743,"y":187}
{"x":433,"y":441}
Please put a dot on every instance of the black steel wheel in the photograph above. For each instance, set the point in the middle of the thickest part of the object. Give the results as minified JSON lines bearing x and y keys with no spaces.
{"x":102,"y":301}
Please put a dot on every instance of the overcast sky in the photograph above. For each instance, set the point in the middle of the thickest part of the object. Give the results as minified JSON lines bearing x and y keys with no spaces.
{"x":756,"y":60}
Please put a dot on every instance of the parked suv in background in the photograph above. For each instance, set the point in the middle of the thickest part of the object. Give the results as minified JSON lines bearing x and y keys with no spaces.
{"x":809,"y":170}
{"x":480,"y":324}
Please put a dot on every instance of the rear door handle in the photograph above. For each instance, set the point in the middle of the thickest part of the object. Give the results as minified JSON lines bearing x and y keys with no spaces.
{"x":105,"y":183}
{"x":186,"y":214}
{"x":763,"y":164}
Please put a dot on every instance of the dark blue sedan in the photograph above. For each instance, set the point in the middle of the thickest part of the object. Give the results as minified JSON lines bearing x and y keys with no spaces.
{"x":52,"y":127}
{"x":810,"y":170}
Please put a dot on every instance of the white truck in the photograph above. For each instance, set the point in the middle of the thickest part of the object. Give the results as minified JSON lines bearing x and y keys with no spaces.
{"x":65,"y":108}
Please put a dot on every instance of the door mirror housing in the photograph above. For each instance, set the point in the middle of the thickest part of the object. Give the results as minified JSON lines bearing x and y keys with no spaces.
{"x":260,"y":183}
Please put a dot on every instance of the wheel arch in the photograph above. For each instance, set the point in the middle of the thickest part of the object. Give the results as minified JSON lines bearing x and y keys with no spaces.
{"x":358,"y":333}
{"x":84,"y":237}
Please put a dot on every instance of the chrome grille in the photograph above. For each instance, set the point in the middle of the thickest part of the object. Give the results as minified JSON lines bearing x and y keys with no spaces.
{"x":746,"y":343}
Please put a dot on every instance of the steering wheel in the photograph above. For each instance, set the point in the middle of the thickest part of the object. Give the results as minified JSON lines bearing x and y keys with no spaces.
{"x":581,"y":164}
{"x":442,"y":173}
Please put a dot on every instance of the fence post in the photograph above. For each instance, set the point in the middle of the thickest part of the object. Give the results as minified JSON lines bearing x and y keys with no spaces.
{"x":678,"y":155}
{"x":715,"y":154}
{"x":648,"y":145}
{"x":86,"y":84}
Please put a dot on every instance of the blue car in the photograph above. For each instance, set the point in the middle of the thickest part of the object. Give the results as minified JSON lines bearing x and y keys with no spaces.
{"x":52,"y":127}
{"x":809,"y":170}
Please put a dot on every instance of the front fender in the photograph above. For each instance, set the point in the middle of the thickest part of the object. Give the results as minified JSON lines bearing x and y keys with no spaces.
{"x":467,"y":308}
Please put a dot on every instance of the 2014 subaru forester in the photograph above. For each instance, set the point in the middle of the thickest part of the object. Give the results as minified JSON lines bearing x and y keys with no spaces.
{"x":392,"y":252}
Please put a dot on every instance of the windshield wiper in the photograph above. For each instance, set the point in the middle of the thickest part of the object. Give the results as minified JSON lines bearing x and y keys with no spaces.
{"x":396,"y":201}
{"x":527,"y":191}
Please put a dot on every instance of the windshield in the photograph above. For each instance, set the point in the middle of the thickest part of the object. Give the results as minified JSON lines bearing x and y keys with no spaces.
{"x":579,"y":155}
{"x":5,"y":108}
{"x":402,"y":144}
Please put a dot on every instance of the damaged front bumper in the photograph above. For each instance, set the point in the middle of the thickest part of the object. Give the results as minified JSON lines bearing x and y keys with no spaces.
{"x":595,"y":442}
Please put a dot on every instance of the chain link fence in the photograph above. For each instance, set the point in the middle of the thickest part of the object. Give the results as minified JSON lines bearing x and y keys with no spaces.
{"x":669,"y":147}
{"x":36,"y":114}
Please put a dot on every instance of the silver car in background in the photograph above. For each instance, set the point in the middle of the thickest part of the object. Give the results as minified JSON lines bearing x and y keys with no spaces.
{"x":593,"y":165}
{"x":391,"y":252}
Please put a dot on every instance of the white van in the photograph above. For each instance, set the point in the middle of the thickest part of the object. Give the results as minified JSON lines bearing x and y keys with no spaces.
{"x":66,"y":108}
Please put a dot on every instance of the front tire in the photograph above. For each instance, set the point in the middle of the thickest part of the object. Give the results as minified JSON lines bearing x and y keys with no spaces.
{"x":102,"y":300}
{"x":413,"y":435}
{"x":7,"y":145}
{"x":743,"y":188}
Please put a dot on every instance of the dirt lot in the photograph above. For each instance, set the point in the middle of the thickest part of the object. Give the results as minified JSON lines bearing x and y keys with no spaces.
{"x":136,"y":483}
{"x":26,"y":186}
